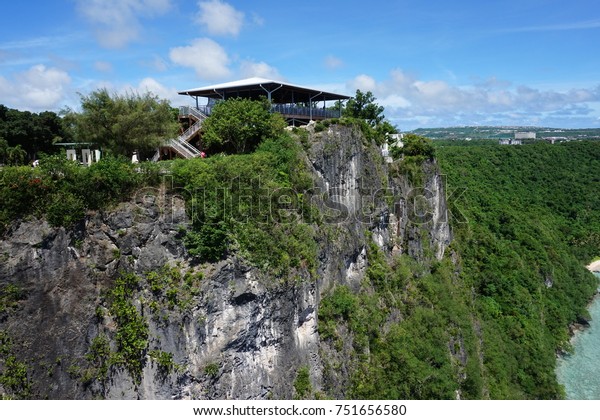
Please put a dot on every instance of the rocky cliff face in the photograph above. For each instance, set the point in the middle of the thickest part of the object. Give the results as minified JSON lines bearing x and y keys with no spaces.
{"x":235,"y":333}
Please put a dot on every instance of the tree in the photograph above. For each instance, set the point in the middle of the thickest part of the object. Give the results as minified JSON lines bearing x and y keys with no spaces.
{"x":16,"y":155}
{"x":363,"y":106}
{"x":241,"y":124}
{"x":3,"y":150}
{"x":415,"y":145}
{"x":11,"y":155}
{"x":34,"y":133}
{"x":124,"y":123}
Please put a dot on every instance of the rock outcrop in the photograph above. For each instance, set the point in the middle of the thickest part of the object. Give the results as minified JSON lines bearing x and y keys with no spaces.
{"x":240,"y":334}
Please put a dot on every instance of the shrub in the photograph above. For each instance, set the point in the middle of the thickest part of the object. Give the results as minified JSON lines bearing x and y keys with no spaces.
{"x":302,"y":384}
{"x":415,"y":145}
{"x":132,"y":329}
{"x":163,"y":359}
{"x":212,"y":370}
{"x":239,"y":125}
{"x":65,"y":209}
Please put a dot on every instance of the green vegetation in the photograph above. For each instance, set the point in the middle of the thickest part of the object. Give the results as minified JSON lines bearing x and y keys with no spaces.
{"x":11,"y":155}
{"x":62,"y":190}
{"x":132,"y":329}
{"x":415,"y":146}
{"x":123,"y":124}
{"x":238,"y":125}
{"x":171,"y":289}
{"x":256,"y":203}
{"x":532,"y":222}
{"x":402,"y":322}
{"x":492,"y":328}
{"x":302,"y":385}
{"x":99,"y":357}
{"x":485,"y":321}
{"x":363,"y":106}
{"x":362,"y":110}
{"x":13,"y":373}
{"x":212,"y":369}
{"x":163,"y":290}
{"x":25,"y":135}
{"x":164,"y":360}
{"x":10,"y":294}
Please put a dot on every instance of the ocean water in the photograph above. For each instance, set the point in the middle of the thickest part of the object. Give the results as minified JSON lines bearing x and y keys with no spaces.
{"x":579,"y":372}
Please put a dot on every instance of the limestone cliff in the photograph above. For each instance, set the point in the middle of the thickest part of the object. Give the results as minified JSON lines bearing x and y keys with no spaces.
{"x":234,"y":333}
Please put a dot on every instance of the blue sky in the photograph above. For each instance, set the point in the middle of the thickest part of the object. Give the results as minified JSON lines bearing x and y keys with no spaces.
{"x":430,"y":63}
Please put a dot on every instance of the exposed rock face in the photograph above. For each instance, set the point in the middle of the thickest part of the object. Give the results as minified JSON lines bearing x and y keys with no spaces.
{"x":243,"y":335}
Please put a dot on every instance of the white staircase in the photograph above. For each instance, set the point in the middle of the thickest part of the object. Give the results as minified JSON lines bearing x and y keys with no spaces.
{"x":181,"y":144}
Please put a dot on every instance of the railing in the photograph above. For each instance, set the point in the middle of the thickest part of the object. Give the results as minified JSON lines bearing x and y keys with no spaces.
{"x":285,"y":109}
{"x":191,"y":131}
{"x":199,"y":113}
{"x":183,"y":148}
{"x":304,"y":111}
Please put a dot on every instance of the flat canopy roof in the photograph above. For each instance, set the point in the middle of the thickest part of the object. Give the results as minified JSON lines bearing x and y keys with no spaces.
{"x":255,"y":87}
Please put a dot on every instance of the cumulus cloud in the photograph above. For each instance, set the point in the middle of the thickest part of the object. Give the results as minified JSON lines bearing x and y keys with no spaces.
{"x":205,"y":56}
{"x":151,"y":85}
{"x":117,"y":22}
{"x":259,"y":69}
{"x":220,"y":18}
{"x":411,"y":102}
{"x":364,"y":83}
{"x":37,"y":89}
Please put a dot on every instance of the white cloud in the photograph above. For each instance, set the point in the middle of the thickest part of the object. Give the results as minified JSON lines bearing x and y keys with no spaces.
{"x":411,"y":102}
{"x":103,"y":66}
{"x":219,"y":18}
{"x":332,"y":62}
{"x":205,"y":56}
{"x":395,"y":101}
{"x":37,"y":89}
{"x":259,"y":69}
{"x":363,"y":82}
{"x":117,"y":22}
{"x":149,"y":84}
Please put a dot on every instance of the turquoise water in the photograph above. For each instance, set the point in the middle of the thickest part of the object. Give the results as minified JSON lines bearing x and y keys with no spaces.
{"x":580,"y":371}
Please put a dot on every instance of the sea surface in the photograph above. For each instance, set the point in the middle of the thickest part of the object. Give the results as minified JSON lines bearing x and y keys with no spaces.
{"x":579,"y":372}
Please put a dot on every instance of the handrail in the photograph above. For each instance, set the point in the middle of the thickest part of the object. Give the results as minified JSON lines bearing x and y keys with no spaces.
{"x":191,"y":149}
{"x":200,"y":114}
{"x":286,"y":109}
{"x":203,"y":112}
{"x":181,"y":144}
{"x":184,"y":148}
{"x":192,"y":130}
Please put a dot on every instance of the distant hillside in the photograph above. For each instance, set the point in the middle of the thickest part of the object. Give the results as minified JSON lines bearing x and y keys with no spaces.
{"x":491,"y":132}
{"x":529,"y":220}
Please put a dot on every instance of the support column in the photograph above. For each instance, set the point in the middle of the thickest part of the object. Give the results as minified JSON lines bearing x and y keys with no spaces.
{"x":310,"y":104}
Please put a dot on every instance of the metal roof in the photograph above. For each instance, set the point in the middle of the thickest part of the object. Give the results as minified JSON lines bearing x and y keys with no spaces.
{"x":253,"y":88}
